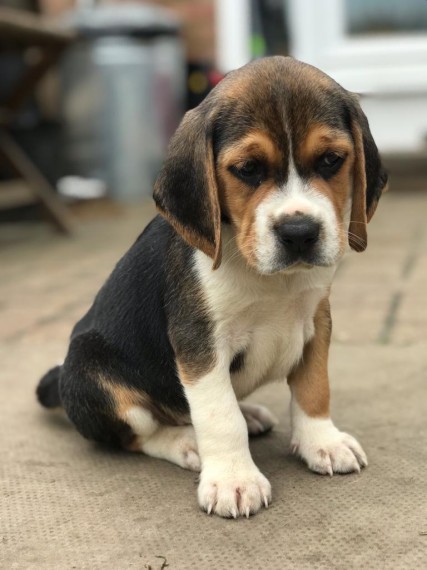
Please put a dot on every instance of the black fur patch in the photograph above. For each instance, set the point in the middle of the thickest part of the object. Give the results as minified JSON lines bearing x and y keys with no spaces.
{"x":124,"y":337}
{"x":190,"y":327}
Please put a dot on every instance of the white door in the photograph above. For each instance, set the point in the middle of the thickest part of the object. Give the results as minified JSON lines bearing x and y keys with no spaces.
{"x":377,"y":48}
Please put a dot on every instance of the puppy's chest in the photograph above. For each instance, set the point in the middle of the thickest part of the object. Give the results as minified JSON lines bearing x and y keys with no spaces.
{"x":261,"y":323}
{"x":266,"y":341}
{"x":263,"y":333}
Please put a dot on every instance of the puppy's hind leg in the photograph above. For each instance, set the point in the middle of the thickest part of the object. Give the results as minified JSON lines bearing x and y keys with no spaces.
{"x":176,"y":444}
{"x":105,"y":408}
{"x":258,"y":418}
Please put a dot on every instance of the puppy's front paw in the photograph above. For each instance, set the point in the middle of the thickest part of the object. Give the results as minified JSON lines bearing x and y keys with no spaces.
{"x":241,"y":492}
{"x":326,"y":450}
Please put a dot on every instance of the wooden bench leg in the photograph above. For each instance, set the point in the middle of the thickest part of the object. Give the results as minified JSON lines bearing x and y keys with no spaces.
{"x":39,"y":186}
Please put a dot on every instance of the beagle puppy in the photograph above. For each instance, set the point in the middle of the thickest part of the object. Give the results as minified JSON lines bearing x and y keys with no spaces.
{"x":265,"y":186}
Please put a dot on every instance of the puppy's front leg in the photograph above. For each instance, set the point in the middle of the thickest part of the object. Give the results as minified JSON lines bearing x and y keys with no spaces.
{"x":315,"y":438}
{"x":230,"y":482}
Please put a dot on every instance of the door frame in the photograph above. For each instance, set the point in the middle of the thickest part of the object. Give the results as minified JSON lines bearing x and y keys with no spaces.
{"x":366,"y":64}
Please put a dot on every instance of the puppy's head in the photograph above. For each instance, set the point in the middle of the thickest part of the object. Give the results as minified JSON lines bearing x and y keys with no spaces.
{"x":283,"y":154}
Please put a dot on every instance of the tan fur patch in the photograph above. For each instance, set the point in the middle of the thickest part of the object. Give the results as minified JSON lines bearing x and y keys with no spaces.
{"x":338,"y":190}
{"x":191,"y":237}
{"x":215,"y":209}
{"x":238,"y":200}
{"x":126,"y":397}
{"x":185,"y":374}
{"x":256,"y":144}
{"x":309,"y":380}
{"x":189,"y":374}
{"x":322,"y":139}
{"x":357,"y":230}
{"x":247,"y":237}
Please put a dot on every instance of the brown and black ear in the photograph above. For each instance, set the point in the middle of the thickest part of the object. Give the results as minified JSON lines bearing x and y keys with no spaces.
{"x":186,"y":191}
{"x":369,"y":178}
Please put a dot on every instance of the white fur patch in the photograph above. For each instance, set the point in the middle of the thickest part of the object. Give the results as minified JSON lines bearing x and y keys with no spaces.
{"x":230,"y":482}
{"x":176,"y":444}
{"x":267,"y":317}
{"x":323,"y":447}
{"x":296,"y":196}
{"x":141,"y":421}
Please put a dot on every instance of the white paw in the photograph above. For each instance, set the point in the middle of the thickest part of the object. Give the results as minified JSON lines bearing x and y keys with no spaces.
{"x":259,"y":418}
{"x":327,"y":450}
{"x":191,"y":460}
{"x":231,"y":494}
{"x":175,"y":444}
{"x":187,"y":452}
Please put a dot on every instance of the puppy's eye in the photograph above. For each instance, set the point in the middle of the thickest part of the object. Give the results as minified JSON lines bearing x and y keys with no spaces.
{"x":251,"y":172}
{"x":329,"y":164}
{"x":331,"y":158}
{"x":250,"y":168}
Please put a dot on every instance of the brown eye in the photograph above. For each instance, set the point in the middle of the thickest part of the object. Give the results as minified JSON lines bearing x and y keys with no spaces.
{"x":330,"y":158}
{"x":329,"y":164}
{"x":251,"y":172}
{"x":249,"y":168}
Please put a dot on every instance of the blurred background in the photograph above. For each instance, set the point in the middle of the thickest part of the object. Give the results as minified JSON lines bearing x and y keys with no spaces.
{"x":91,"y":92}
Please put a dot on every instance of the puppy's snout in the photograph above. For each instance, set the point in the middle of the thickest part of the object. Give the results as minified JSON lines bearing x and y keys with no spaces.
{"x":298,"y":234}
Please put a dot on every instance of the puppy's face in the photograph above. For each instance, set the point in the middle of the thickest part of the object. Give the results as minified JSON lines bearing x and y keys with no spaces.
{"x":283,"y":154}
{"x":288,"y":197}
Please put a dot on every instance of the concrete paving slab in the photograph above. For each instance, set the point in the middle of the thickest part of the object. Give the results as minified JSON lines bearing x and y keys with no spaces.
{"x":67,"y":503}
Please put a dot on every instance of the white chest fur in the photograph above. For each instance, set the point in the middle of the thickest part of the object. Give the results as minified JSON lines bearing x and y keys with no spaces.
{"x":267,"y":317}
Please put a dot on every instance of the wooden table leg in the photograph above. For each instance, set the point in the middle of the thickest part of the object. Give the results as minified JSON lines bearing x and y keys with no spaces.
{"x":26,"y":85}
{"x":39,"y":186}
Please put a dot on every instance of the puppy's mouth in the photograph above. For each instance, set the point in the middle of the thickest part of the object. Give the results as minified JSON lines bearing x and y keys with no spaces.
{"x":304,"y":261}
{"x":293,"y":264}
{"x":299,"y":266}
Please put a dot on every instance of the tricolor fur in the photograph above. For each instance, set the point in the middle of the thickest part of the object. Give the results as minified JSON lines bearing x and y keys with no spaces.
{"x":266,"y":185}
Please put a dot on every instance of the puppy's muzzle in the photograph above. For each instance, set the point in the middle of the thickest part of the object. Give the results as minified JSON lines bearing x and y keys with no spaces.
{"x":298,"y":234}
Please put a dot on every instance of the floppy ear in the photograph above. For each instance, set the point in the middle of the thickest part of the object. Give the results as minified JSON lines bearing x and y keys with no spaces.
{"x":369,"y":179}
{"x":186,"y":191}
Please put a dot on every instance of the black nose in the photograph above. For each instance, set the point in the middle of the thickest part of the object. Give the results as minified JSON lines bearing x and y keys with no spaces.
{"x":298,"y":235}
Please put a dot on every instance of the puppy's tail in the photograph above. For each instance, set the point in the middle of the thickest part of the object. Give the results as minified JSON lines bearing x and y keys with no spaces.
{"x":48,"y":389}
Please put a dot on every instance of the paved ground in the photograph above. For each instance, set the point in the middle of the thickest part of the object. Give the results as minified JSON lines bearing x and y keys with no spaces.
{"x":65,"y":503}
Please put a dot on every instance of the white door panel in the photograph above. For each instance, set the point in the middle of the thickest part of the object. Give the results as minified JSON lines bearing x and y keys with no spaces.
{"x":389,"y":69}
